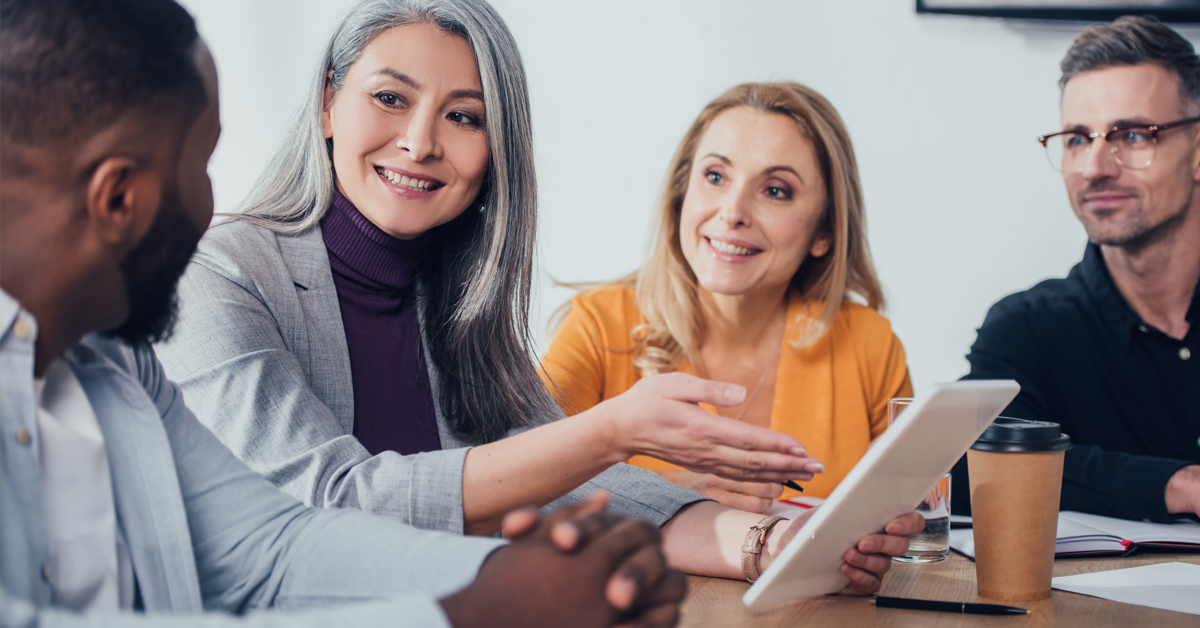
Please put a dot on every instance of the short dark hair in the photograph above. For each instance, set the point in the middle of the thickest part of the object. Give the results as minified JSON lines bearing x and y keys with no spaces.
{"x":70,"y":68}
{"x":1134,"y":40}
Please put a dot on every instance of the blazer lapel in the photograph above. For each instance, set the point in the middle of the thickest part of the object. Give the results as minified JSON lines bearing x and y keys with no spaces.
{"x":146,"y":495}
{"x":320,"y":337}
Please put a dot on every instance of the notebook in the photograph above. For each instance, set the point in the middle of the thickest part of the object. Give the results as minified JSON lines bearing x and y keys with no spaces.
{"x":1083,"y":534}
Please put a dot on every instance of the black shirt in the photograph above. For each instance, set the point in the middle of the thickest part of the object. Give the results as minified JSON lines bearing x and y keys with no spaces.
{"x":1126,"y":393}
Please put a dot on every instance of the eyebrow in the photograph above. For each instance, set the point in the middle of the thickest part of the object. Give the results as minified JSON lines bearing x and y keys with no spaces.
{"x":467,"y":93}
{"x":1080,"y":128}
{"x":771,"y":170}
{"x":774,"y":169}
{"x":411,"y":82}
{"x":399,"y":76}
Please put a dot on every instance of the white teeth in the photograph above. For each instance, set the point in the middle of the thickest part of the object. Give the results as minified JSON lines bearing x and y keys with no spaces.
{"x":404,"y":181}
{"x":729,"y":249}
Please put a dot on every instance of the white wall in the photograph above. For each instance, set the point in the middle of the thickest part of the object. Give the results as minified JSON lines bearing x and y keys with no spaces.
{"x":944,"y":111}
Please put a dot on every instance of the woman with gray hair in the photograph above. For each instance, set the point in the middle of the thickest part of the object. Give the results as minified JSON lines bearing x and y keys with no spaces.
{"x":359,"y":333}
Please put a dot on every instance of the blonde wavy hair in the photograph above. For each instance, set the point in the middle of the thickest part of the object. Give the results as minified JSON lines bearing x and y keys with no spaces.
{"x":667,"y":290}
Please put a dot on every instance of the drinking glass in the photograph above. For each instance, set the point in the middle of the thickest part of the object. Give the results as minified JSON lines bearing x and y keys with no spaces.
{"x":933,"y":543}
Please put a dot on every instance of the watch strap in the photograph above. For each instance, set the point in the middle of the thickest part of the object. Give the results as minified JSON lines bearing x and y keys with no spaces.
{"x":752,"y":547}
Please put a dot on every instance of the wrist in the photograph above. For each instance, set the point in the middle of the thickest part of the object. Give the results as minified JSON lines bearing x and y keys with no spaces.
{"x":1183,"y":491}
{"x":773,"y":544}
{"x":606,"y":428}
{"x":459,"y":610}
{"x":754,"y":549}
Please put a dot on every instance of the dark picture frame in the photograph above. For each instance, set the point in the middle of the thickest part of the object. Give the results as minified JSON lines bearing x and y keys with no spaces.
{"x":1174,"y":11}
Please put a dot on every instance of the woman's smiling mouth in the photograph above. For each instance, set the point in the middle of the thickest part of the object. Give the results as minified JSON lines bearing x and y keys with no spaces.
{"x":407,"y":182}
{"x":729,"y":248}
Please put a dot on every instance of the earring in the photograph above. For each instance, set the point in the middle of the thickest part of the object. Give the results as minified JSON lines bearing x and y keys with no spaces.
{"x":482,"y":209}
{"x":819,"y":248}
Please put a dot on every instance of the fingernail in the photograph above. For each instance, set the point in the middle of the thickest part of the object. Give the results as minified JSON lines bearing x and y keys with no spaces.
{"x":814,"y":467}
{"x":893,"y":528}
{"x":734,"y":394}
{"x":797,"y":451}
{"x":627,"y":590}
{"x":566,"y":535}
{"x":868,"y":545}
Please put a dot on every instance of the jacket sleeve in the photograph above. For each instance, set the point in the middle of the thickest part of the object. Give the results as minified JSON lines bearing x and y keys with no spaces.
{"x":229,"y":355}
{"x":256,"y":548}
{"x":1109,"y":483}
{"x":635,"y":492}
{"x":414,"y":610}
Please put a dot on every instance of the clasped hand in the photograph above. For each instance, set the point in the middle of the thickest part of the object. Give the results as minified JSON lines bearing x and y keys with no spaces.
{"x":578,"y":566}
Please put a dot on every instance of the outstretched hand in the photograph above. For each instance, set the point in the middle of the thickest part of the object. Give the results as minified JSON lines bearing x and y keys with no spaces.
{"x":578,"y":566}
{"x":660,"y":417}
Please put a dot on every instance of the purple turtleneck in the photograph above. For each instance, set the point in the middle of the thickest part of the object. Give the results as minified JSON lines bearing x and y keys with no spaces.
{"x":372,"y":271}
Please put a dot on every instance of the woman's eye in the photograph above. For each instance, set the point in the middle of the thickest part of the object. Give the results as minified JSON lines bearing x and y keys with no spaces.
{"x":388,"y":99}
{"x":777,"y":192}
{"x":459,"y":117}
{"x":714,"y":177}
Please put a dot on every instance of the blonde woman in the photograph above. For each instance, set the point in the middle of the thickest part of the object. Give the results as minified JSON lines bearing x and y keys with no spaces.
{"x":759,"y":275}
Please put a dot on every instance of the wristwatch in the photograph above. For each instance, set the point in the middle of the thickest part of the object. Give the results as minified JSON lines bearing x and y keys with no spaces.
{"x":752,"y":548}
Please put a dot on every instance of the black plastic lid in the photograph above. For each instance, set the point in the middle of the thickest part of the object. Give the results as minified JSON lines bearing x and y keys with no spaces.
{"x":1021,"y":435}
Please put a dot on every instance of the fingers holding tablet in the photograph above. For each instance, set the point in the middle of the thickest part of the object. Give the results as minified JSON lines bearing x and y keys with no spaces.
{"x":868,"y":561}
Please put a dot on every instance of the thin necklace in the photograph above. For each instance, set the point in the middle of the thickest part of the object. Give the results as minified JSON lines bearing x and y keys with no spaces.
{"x":761,"y":381}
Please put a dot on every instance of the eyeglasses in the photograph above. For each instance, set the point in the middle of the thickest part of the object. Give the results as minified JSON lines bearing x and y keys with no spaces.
{"x":1132,"y":145}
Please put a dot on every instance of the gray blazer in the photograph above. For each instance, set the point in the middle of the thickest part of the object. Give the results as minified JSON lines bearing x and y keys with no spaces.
{"x":208,"y":538}
{"x":261,"y":355}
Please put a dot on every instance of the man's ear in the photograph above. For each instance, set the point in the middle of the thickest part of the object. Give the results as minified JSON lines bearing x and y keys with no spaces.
{"x":326,"y":118}
{"x":122,"y":200}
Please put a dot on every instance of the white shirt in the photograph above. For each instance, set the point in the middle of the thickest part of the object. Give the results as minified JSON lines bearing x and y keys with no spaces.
{"x":89,"y":566}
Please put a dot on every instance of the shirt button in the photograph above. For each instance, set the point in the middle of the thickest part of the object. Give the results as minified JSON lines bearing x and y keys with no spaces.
{"x":46,"y":573}
{"x":23,"y":436}
{"x":21,"y":329}
{"x":1185,"y":353}
{"x":1142,"y":328}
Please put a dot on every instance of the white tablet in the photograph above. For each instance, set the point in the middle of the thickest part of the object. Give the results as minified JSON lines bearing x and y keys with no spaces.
{"x":895,"y":474}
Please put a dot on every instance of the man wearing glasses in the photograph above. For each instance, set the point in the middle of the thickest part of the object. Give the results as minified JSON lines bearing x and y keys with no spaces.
{"x":1108,"y":351}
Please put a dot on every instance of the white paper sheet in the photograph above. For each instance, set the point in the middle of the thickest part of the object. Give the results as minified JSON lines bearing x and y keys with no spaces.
{"x":1170,"y":586}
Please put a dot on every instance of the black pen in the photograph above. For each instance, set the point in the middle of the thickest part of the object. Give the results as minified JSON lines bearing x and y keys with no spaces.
{"x":792,"y":485}
{"x":947,"y":607}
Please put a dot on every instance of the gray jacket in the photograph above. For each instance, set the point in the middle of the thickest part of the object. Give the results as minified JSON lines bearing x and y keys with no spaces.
{"x":207,"y":536}
{"x":261,"y":356}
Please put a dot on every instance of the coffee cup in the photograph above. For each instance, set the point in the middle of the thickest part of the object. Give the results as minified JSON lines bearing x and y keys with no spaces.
{"x":1016,"y":480}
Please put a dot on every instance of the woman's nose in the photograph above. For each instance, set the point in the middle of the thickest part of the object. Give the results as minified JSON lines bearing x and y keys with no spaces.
{"x":735,"y":208}
{"x":419,"y":139}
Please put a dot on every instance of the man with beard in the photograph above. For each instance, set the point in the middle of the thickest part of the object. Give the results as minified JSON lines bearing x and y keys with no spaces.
{"x":1111,"y":352}
{"x":115,"y":502}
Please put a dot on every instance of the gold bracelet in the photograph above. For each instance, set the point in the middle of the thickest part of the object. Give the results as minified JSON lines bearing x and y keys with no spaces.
{"x":752,"y":548}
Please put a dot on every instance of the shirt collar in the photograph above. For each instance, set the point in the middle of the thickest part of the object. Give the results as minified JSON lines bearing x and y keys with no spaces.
{"x":1113,"y":306}
{"x":1193,"y":313}
{"x":9,"y":309}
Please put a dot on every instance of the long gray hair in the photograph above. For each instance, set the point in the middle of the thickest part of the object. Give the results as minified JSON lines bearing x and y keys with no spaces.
{"x":476,"y":274}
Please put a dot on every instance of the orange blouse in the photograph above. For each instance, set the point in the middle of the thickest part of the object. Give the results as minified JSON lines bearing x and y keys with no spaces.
{"x":832,"y":396}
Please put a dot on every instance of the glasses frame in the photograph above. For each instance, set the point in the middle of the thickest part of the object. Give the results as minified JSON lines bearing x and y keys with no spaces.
{"x":1154,"y":129}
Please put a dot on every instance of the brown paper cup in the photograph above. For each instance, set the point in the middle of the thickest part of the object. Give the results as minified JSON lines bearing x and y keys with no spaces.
{"x":1014,"y":508}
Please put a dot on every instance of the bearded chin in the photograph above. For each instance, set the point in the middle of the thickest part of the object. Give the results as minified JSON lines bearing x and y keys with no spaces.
{"x":151,"y":272}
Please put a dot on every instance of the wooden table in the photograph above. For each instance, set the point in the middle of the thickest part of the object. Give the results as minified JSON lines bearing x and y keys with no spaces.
{"x":717,"y":602}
